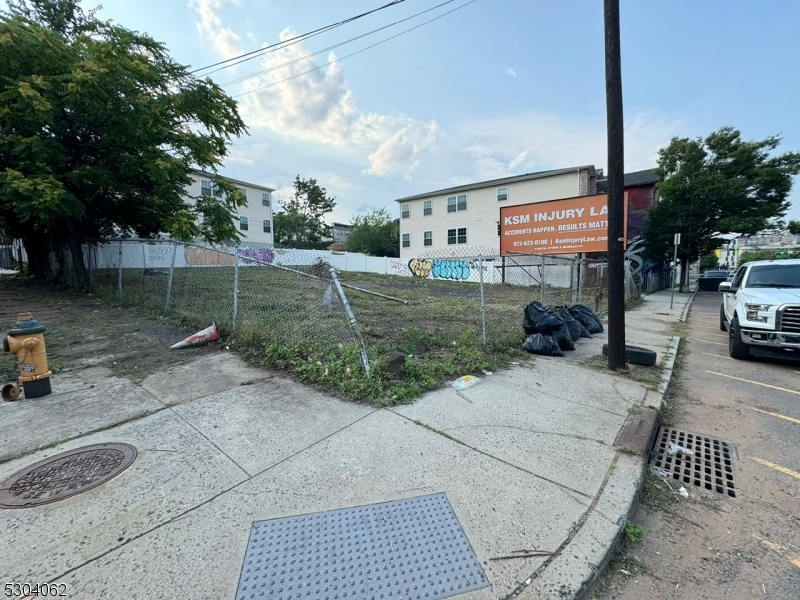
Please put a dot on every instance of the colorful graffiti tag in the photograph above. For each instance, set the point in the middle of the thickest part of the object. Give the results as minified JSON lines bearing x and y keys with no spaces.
{"x":439,"y":268}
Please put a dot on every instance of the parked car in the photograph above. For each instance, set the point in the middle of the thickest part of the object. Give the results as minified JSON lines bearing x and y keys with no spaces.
{"x":761,"y":309}
{"x":710,"y":280}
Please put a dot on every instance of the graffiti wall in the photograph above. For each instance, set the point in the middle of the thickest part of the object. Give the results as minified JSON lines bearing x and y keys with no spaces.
{"x":440,"y":268}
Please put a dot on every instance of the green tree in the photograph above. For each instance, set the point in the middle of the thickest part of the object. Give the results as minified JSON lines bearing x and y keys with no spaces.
{"x":717,"y":185}
{"x":300,"y":222}
{"x":709,"y":261}
{"x":375,"y":233}
{"x":753,"y":255}
{"x":794,"y":227}
{"x":99,"y":129}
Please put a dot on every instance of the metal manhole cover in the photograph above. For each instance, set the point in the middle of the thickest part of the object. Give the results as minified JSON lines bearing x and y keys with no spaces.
{"x":65,"y":475}
{"x":709,"y":467}
{"x":412,"y":549}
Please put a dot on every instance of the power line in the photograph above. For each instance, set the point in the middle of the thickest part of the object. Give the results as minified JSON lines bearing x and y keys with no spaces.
{"x":306,"y":56}
{"x":354,"y":53}
{"x":294,"y":40}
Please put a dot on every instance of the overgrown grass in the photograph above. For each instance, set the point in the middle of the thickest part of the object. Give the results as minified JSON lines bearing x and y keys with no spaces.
{"x":298,"y":324}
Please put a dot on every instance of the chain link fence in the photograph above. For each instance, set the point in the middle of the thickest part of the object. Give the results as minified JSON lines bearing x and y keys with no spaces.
{"x":320,"y":311}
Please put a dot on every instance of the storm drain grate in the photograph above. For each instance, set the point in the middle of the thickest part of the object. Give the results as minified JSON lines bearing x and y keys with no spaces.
{"x":710,"y":466}
{"x":401,"y":550}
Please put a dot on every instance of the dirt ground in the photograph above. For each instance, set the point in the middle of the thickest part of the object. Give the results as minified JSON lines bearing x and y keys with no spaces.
{"x":710,"y":546}
{"x":82,"y":331}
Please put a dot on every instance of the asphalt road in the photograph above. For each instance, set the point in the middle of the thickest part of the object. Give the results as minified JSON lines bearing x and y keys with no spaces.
{"x":716,"y":547}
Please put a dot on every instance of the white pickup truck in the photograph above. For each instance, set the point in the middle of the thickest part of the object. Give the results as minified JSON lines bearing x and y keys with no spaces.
{"x":761,"y":310}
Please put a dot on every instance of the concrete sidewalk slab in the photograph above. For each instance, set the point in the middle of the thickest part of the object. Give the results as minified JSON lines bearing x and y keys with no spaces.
{"x":176,"y":469}
{"x":381,"y":457}
{"x":81,"y":402}
{"x":514,"y":419}
{"x":262,"y":424}
{"x":203,"y":377}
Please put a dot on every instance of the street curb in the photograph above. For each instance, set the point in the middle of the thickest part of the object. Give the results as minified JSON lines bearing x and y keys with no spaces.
{"x":628,"y":507}
{"x":686,"y":308}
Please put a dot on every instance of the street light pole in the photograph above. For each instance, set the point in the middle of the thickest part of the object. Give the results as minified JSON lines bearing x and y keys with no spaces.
{"x":674,"y":268}
{"x":616,"y":190}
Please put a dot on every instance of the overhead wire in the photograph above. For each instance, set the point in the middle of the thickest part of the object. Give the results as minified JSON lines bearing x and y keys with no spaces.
{"x":339,"y":59}
{"x":306,"y":56}
{"x":252,"y":54}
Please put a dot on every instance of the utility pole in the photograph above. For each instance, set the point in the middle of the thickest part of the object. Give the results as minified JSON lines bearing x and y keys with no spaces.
{"x":675,"y":268}
{"x":616,"y":190}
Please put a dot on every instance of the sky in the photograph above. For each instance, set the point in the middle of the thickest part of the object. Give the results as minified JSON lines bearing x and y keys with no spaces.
{"x":493,"y":89}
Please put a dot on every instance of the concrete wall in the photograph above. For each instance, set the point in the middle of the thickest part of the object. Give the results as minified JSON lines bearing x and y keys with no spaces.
{"x":483,"y":212}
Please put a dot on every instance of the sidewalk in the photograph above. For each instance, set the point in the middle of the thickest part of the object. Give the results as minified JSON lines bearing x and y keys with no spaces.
{"x":525,"y":459}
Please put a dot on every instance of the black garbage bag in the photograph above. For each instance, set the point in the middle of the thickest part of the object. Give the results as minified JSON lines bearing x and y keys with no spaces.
{"x":563,"y":338}
{"x":586,"y":316}
{"x":542,"y":344}
{"x":576,"y":329}
{"x":539,"y":319}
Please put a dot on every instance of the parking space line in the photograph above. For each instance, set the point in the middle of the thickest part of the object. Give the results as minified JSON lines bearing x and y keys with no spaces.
{"x":717,"y":355}
{"x":772,"y":465}
{"x":774,"y":414}
{"x":766,"y":385}
{"x":713,"y":334}
{"x":708,"y":342}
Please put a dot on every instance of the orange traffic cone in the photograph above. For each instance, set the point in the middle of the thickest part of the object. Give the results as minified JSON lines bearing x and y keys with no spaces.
{"x":209,"y":334}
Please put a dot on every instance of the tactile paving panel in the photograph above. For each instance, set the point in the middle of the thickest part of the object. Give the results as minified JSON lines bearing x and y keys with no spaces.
{"x":710,"y":466}
{"x":412,"y":549}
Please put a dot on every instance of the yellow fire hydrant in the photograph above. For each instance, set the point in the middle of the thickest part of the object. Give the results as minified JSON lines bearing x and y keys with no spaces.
{"x":26,"y":343}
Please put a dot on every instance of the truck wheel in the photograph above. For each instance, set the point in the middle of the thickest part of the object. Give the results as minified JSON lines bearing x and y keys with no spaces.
{"x":722,"y":319}
{"x":735,"y":346}
{"x":636,"y":355}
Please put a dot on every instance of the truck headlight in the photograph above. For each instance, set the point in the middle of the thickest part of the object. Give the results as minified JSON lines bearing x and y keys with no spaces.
{"x":754,"y":309}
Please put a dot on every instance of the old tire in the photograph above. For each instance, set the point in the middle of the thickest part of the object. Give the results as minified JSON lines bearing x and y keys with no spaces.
{"x":722,"y":319}
{"x":636,"y":355}
{"x":736,"y":348}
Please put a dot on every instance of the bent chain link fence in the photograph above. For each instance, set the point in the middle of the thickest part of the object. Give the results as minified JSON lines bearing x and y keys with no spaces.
{"x":291,"y":299}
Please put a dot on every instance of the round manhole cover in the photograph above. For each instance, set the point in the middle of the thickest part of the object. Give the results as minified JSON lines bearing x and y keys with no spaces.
{"x":65,"y":475}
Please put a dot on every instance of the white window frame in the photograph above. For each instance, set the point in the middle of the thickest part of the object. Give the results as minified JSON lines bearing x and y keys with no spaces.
{"x":244,"y":223}
{"x":405,"y":240}
{"x":266,"y":199}
{"x":502,"y":197}
{"x":454,"y":203}
{"x":206,"y":187}
{"x":405,"y":211}
{"x":427,"y":208}
{"x":456,"y":236}
{"x":427,"y":238}
{"x":267,"y":226}
{"x":244,"y":192}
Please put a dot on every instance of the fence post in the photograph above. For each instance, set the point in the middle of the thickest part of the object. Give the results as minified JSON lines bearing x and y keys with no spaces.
{"x":119,"y":276}
{"x":352,"y":318}
{"x":171,"y":274}
{"x":483,"y":303}
{"x":144,"y":260}
{"x":541,"y":280}
{"x":574,"y":272}
{"x":235,"y":288}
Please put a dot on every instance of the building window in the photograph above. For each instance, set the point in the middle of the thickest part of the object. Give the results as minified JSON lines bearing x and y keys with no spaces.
{"x":427,"y":238}
{"x":267,"y":226}
{"x":457,"y":203}
{"x":427,"y":208}
{"x":502,"y":194}
{"x":405,"y":211}
{"x":406,"y":240}
{"x":457,"y":236}
{"x":265,"y":199}
{"x":244,"y":192}
{"x":243,"y":223}
{"x":209,"y":189}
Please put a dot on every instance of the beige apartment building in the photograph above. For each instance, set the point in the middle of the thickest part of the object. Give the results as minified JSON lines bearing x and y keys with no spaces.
{"x":468,"y":216}
{"x":255,"y":219}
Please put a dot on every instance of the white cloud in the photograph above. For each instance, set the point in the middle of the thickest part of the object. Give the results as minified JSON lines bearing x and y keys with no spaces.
{"x":225,"y":40}
{"x":511,"y":72}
